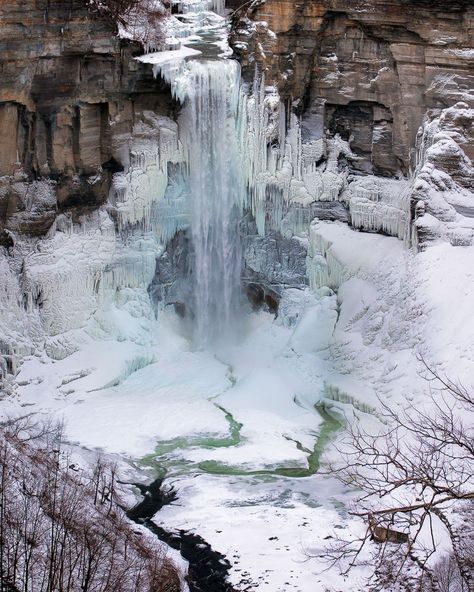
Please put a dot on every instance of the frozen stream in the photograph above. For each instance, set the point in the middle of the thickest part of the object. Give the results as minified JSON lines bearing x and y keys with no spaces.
{"x":237,"y":433}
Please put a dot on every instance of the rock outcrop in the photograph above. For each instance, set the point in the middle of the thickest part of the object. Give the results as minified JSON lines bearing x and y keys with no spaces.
{"x":88,"y":136}
{"x":376,"y":111}
{"x":365,"y":70}
{"x":70,"y":94}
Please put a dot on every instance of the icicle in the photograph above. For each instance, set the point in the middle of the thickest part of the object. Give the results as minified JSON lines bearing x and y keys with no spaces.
{"x":280,"y":169}
{"x":382,"y":208}
{"x":334,"y":393}
{"x":322,"y":265}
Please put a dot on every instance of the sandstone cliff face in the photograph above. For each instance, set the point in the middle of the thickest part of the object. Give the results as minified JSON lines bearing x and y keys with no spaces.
{"x":365,"y":70}
{"x":70,"y":93}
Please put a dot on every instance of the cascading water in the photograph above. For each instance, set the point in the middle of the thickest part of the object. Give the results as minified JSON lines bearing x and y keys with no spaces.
{"x":207,"y":83}
{"x":208,"y":130}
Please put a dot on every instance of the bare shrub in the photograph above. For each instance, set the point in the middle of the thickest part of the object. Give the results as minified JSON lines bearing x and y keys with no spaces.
{"x":116,"y":10}
{"x":137,"y":20}
{"x":448,"y":576}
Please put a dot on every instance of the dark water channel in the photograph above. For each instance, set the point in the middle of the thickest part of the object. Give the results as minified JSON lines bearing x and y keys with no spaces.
{"x":208,"y":569}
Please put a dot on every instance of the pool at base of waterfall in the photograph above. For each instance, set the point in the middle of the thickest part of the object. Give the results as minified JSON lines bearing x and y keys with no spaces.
{"x":251,"y":489}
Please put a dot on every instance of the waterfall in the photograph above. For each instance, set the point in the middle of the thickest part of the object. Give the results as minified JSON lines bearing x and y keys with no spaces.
{"x":207,"y":84}
{"x":209,"y":134}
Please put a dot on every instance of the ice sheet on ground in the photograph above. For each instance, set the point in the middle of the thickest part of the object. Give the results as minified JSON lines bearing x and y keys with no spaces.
{"x":268,"y":530}
{"x":158,"y":394}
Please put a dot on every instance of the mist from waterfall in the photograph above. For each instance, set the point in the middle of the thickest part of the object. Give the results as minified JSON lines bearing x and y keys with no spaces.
{"x":208,"y":130}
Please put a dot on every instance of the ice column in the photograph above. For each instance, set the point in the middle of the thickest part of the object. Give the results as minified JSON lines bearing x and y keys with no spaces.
{"x":208,"y":130}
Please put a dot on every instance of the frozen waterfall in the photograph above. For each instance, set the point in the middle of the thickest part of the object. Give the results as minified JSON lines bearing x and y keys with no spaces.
{"x":208,"y":128}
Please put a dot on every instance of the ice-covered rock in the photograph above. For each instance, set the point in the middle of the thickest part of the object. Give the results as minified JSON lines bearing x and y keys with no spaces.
{"x":381,"y":205}
{"x":337,"y":253}
{"x":315,"y":326}
{"x":55,"y":283}
{"x":444,"y":177}
{"x":291,"y":181}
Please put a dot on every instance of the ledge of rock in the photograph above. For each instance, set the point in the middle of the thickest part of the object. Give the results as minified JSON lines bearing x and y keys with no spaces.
{"x":366,"y":70}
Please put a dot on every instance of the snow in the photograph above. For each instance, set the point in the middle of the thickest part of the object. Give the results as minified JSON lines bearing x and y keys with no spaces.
{"x":145,"y":407}
{"x":106,"y":405}
{"x":464,"y":53}
{"x":278,"y":525}
{"x":165,"y":57}
{"x":323,"y":315}
{"x":447,"y":274}
{"x":133,"y":382}
{"x":269,"y":383}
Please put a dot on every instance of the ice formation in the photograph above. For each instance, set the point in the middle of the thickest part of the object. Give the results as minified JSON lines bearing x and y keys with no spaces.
{"x":197,"y":6}
{"x":17,"y":327}
{"x":444,"y":177}
{"x":286,"y":176}
{"x":56,"y":285}
{"x":63,"y":276}
{"x":76,"y":301}
{"x":381,"y":205}
{"x":154,"y":145}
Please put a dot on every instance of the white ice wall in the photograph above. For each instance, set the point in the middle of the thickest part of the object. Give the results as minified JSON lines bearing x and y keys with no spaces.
{"x":52,"y":287}
{"x":283,"y":173}
{"x":443,"y":186}
{"x":153,"y":145}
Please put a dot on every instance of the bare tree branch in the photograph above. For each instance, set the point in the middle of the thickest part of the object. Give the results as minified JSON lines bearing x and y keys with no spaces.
{"x":413,"y":475}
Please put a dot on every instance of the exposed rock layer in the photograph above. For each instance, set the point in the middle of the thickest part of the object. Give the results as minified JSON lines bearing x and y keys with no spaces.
{"x":369,"y":70}
{"x":70,"y":93}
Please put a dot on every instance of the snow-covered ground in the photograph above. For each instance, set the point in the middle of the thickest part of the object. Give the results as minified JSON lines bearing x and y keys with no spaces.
{"x":227,"y":424}
{"x":231,"y":491}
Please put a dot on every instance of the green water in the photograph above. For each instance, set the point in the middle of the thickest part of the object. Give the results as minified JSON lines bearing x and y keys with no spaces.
{"x":165,"y":459}
{"x":328,"y":428}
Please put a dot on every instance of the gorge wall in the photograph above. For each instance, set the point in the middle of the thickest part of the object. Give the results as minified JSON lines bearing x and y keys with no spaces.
{"x":70,"y":94}
{"x":86,"y":136}
{"x":360,"y":112}
{"x":393,"y":79}
{"x":370,"y":69}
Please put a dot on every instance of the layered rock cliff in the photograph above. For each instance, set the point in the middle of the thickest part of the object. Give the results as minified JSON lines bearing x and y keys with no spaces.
{"x":370,"y":69}
{"x":377,"y":76}
{"x":86,"y":133}
{"x":70,"y":94}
